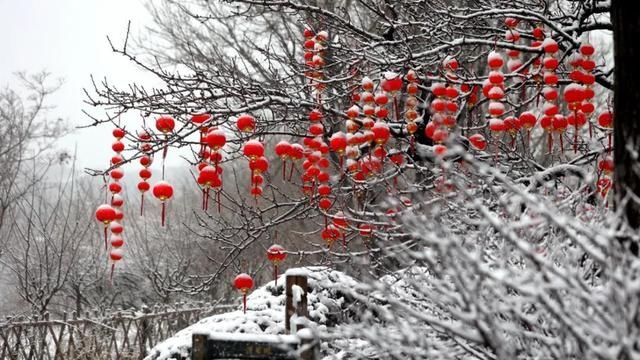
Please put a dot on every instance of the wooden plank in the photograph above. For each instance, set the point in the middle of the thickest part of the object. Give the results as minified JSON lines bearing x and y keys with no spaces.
{"x":299,"y":309}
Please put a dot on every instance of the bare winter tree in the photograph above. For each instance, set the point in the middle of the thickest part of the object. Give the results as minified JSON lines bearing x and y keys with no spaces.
{"x":26,"y":133}
{"x":506,"y":251}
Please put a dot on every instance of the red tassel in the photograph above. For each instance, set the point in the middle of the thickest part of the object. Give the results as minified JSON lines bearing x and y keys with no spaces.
{"x":291,"y":171}
{"x":284,"y":170}
{"x":105,"y":237}
{"x":218,"y":200}
{"x":275,"y":274}
{"x":550,"y":141}
{"x":141,"y":204}
{"x":206,"y":200}
{"x":113,"y":266}
{"x":575,"y":141}
{"x":244,"y":303}
{"x":163,"y":212}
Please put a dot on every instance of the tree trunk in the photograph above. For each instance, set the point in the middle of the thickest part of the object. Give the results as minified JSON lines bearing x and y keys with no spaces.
{"x":625,"y":18}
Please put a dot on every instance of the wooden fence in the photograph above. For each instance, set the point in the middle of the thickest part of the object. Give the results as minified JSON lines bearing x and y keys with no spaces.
{"x":124,"y":334}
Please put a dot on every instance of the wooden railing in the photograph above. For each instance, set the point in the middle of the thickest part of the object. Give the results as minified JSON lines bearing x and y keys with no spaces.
{"x":123,"y":334}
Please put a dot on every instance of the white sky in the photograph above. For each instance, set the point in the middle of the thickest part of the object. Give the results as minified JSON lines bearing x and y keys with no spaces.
{"x":68,"y":39}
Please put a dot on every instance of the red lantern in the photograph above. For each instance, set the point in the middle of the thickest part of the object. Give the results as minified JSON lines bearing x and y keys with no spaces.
{"x":478,"y":141}
{"x":246,"y":123}
{"x":117,"y":174}
{"x":391,"y":82}
{"x":118,"y":133}
{"x":381,"y":132}
{"x":243,"y":283}
{"x":165,"y":124}
{"x":253,"y":149}
{"x":200,"y":118}
{"x":216,"y":139}
{"x":163,"y":191}
{"x":116,"y":227}
{"x":276,"y":255}
{"x":105,"y":214}
{"x":365,"y":230}
{"x":116,"y":241}
{"x":117,"y":146}
{"x":117,"y":200}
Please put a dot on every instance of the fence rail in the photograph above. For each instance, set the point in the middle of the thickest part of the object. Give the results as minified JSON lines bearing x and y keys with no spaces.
{"x":123,"y":334}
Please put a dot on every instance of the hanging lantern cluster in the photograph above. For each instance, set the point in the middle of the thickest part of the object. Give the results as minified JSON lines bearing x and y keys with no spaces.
{"x":258,"y":164}
{"x":411,"y":115}
{"x":209,"y":169}
{"x":146,"y":160}
{"x":551,"y":121}
{"x":579,"y":94}
{"x":315,"y":46}
{"x":162,"y":190}
{"x":493,"y":89}
{"x":512,"y":35}
{"x":443,"y":108}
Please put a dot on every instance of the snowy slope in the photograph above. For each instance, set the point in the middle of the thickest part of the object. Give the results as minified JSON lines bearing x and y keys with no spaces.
{"x":265,"y":311}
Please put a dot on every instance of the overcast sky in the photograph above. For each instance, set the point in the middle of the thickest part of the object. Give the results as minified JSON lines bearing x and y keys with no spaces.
{"x":68,"y":39}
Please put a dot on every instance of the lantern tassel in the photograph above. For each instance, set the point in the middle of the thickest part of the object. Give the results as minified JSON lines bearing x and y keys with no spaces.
{"x":105,"y":237}
{"x":203,"y":199}
{"x":561,"y":143}
{"x":609,"y":149}
{"x":218,"y":201}
{"x":141,"y":204}
{"x":575,"y":141}
{"x":396,"y":109}
{"x":113,"y":266}
{"x":244,"y":303}
{"x":291,"y":171}
{"x":206,"y":200}
{"x":275,"y":275}
{"x":550,"y":142}
{"x":163,"y":212}
{"x":284,"y":170}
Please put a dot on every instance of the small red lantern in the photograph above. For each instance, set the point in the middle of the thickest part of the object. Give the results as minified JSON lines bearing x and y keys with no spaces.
{"x":105,"y":214}
{"x":253,"y":149}
{"x":118,"y":133}
{"x":163,"y":191}
{"x":276,"y":255}
{"x":165,"y":124}
{"x":246,"y":123}
{"x":243,"y":282}
{"x":200,"y":118}
{"x":216,"y":139}
{"x":478,"y":142}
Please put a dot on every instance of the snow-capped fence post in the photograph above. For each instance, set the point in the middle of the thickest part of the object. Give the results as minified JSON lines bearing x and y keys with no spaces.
{"x":296,"y":303}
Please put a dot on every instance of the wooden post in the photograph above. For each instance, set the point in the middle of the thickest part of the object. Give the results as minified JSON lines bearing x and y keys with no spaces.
{"x":300,"y":309}
{"x":199,"y":344}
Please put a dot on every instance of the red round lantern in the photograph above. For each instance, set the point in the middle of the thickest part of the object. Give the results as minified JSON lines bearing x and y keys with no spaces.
{"x":118,"y":133}
{"x":391,"y":82}
{"x":246,"y":123}
{"x":253,"y":149}
{"x":163,"y":191}
{"x":478,"y":141}
{"x":381,"y":132}
{"x":165,"y":124}
{"x":243,"y":283}
{"x":276,"y":255}
{"x":216,"y":139}
{"x":200,"y":118}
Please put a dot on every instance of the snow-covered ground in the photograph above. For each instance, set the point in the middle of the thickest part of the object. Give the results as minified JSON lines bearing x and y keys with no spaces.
{"x":265,"y":311}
